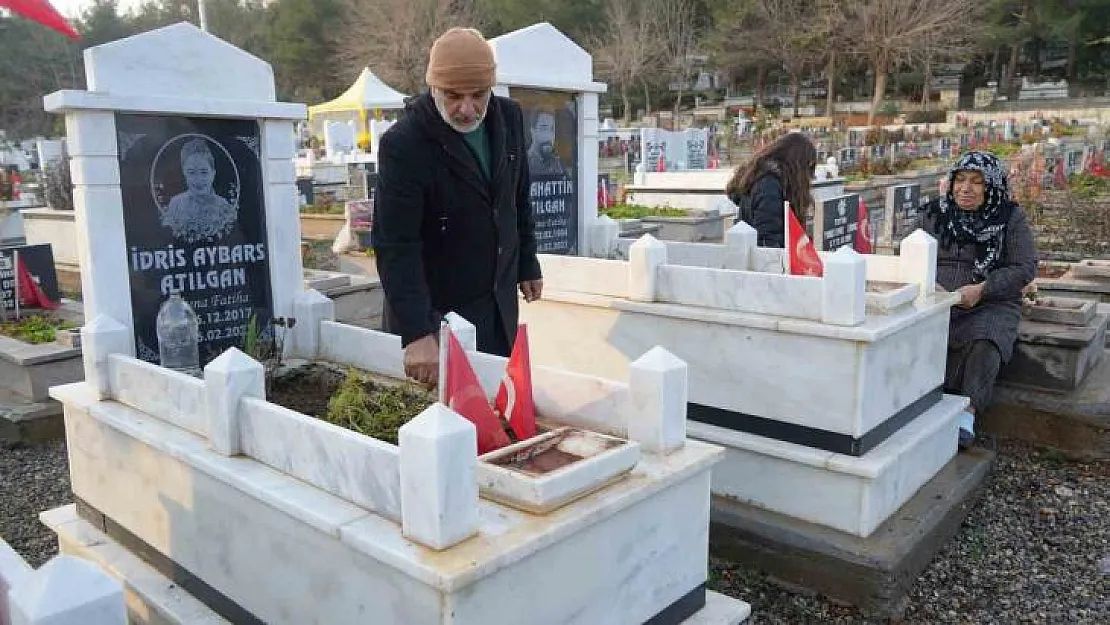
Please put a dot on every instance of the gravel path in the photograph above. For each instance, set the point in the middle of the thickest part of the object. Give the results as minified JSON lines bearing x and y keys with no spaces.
{"x":32,"y":479}
{"x":1036,"y":549}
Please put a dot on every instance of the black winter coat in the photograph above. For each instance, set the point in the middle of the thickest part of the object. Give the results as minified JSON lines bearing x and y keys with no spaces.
{"x":446,"y":238}
{"x":767,"y":215}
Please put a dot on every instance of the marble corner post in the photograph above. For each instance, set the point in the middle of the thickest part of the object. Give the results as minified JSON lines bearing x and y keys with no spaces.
{"x":587,"y":168}
{"x":439,"y":485}
{"x":645,"y":256}
{"x":604,"y":232}
{"x":283,"y":225}
{"x":98,"y":216}
{"x":100,"y":338}
{"x":463,"y":330}
{"x":740,"y":243}
{"x":844,"y":288}
{"x":310,"y":309}
{"x":658,"y":386}
{"x":917,"y":262}
{"x":227,"y":380}
{"x":68,"y":591}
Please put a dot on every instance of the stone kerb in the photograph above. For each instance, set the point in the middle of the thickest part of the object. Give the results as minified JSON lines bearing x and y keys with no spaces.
{"x":173,"y":72}
{"x":66,"y":591}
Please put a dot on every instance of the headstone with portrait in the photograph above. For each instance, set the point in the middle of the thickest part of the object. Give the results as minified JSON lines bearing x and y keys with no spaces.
{"x":191,"y":179}
{"x":903,"y":209}
{"x":38,"y":263}
{"x":550,"y":119}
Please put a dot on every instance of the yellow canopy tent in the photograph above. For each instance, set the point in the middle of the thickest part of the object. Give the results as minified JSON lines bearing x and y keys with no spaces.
{"x":368,"y":93}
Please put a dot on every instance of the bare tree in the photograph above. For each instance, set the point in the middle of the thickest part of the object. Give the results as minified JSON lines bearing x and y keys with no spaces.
{"x":892,"y":32}
{"x":787,"y":33}
{"x":393,"y":37}
{"x":623,"y":48}
{"x":678,"y":31}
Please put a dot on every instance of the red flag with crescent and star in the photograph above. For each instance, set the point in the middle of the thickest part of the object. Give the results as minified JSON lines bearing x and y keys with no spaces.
{"x":514,"y":401}
{"x":803,"y":259}
{"x":463,"y":393}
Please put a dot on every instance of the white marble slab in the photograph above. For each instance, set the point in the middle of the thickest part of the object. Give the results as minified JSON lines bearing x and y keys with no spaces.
{"x":357,"y":468}
{"x":720,"y":610}
{"x":165,"y":394}
{"x":742,"y":291}
{"x":587,"y":275}
{"x":150,"y":477}
{"x":845,"y":380}
{"x":369,"y":350}
{"x":854,"y":495}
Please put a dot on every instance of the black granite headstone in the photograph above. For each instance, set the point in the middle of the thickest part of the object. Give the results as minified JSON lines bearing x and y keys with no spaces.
{"x":195,"y":223}
{"x":840,"y":222}
{"x":39,"y":260}
{"x":907,"y":209}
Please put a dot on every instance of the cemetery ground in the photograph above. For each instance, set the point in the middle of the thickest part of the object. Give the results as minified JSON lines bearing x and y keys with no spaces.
{"x":1034,"y":549}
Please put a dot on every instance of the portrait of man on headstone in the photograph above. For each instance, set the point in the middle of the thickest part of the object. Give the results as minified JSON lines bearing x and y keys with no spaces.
{"x":542,"y":157}
{"x":198,"y":213}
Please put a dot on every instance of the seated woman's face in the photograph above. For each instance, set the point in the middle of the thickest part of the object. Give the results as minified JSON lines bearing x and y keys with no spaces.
{"x":969,"y":190}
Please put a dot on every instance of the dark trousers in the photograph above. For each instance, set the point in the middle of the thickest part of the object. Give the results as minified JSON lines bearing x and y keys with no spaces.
{"x":971,"y":371}
{"x":491,"y":337}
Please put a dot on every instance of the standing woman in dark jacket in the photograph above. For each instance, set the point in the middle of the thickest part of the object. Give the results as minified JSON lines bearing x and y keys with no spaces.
{"x":986,"y":252}
{"x":780,"y":171}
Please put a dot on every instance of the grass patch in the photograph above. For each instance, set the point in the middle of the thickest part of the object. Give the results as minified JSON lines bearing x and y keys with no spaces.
{"x":323,"y":208}
{"x":375,"y":410}
{"x":35,"y":329}
{"x":635,"y":211}
{"x":1086,"y":186}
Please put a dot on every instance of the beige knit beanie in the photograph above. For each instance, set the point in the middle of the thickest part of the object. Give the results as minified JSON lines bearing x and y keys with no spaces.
{"x":461,"y":60}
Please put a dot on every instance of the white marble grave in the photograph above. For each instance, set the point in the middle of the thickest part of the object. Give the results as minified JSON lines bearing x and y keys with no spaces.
{"x":292,"y":520}
{"x":848,"y":366}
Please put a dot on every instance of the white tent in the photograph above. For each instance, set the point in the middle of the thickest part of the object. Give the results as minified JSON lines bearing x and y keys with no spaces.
{"x":367,"y":94}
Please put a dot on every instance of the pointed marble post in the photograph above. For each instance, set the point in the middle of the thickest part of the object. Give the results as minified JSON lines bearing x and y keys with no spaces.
{"x":463,"y":330}
{"x":644,"y":259}
{"x":100,"y":338}
{"x":843,"y":288}
{"x":68,"y":591}
{"x":740,"y":244}
{"x":658,"y":387}
{"x":604,"y":233}
{"x":917,"y":262}
{"x":310,"y":309}
{"x":227,"y":380}
{"x":439,"y":488}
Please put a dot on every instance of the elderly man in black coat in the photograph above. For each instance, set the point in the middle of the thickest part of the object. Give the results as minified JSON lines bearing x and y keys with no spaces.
{"x":453,"y":228}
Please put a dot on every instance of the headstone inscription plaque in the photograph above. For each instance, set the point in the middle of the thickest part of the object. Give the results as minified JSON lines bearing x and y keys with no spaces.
{"x":839,"y":222}
{"x":195,"y":224}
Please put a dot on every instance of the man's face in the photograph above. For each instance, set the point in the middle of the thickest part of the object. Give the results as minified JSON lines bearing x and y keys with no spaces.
{"x":543,"y":134}
{"x":462,"y":110}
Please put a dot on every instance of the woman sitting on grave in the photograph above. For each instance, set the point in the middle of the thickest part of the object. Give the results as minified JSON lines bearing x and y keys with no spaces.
{"x":986,"y":253}
{"x":198,"y":213}
{"x":780,"y":171}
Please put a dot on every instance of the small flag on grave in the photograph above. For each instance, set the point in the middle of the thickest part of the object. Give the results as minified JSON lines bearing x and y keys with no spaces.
{"x":514,"y":401}
{"x":863,"y":229}
{"x":31,"y":294}
{"x":461,"y":391}
{"x":42,"y":12}
{"x":802,"y":257}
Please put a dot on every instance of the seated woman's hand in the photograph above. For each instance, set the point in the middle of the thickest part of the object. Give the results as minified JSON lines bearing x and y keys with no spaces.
{"x":970,"y":294}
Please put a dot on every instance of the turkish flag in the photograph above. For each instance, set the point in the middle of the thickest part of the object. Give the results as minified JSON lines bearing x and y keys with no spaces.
{"x":863,"y":231}
{"x":463,"y":393}
{"x":42,"y":12}
{"x":514,"y":400}
{"x":31,"y":294}
{"x":662,"y":164}
{"x":801,"y":255}
{"x":1061,"y":175}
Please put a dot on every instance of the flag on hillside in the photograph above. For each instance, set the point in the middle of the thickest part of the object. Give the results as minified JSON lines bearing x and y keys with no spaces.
{"x":31,"y":294}
{"x":802,"y":257}
{"x":661,"y":165}
{"x":863,"y":242}
{"x":42,"y":12}
{"x":461,"y":391}
{"x":514,"y":401}
{"x":1061,"y":177}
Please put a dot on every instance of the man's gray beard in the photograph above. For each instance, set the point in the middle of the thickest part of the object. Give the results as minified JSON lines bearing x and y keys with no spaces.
{"x":438,"y":99}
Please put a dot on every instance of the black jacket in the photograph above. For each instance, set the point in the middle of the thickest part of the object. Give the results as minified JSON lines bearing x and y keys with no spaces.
{"x":446,"y":238}
{"x":766,"y":199}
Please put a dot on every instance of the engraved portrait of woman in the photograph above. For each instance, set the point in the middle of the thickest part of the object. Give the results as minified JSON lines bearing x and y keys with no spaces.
{"x":199,"y":213}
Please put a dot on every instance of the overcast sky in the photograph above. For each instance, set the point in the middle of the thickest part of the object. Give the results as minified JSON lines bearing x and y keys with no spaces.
{"x":73,"y":8}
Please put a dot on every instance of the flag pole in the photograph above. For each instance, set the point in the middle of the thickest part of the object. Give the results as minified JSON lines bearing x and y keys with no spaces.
{"x":444,"y":337}
{"x":788,"y":248}
{"x":15,"y":257}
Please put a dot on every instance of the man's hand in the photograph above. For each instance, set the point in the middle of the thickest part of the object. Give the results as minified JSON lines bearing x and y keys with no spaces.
{"x":422,"y":360}
{"x":532,"y":290}
{"x":970,"y":295}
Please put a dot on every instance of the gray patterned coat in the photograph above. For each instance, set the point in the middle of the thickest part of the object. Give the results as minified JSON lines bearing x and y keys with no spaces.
{"x":998,"y":314}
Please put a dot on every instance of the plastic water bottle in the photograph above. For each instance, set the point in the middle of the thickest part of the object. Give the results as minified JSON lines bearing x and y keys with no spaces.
{"x":178,"y":336}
